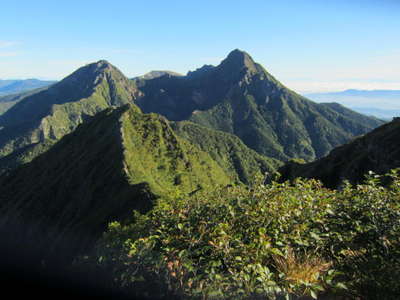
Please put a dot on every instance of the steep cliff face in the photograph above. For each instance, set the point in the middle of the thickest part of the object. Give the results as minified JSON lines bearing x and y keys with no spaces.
{"x":377,"y":151}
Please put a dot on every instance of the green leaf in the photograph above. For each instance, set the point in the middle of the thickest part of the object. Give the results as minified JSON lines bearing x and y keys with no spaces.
{"x":341,"y":285}
{"x":276,"y":251}
{"x":313,"y":294}
{"x":182,"y":253}
{"x":315,"y":236}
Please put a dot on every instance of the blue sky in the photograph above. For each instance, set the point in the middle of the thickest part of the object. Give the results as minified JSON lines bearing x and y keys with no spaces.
{"x":308,"y":45}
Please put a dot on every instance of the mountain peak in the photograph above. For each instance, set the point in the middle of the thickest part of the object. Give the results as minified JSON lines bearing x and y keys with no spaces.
{"x":92,"y":72}
{"x":95,"y":68}
{"x":101,"y":65}
{"x":238,"y":53}
{"x":238,"y":59}
{"x":103,"y":62}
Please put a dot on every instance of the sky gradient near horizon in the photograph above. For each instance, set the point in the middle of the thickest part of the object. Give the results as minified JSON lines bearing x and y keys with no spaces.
{"x":309,"y":45}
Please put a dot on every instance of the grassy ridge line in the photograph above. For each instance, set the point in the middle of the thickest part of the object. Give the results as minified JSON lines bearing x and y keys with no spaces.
{"x":118,"y":161}
{"x":64,"y":194}
{"x":6,"y":105}
{"x":155,"y":154}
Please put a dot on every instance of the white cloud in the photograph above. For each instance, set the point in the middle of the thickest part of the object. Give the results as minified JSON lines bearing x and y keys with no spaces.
{"x":8,"y":53}
{"x":6,"y":44}
{"x":313,"y":86}
{"x":384,"y":67}
{"x":377,"y":72}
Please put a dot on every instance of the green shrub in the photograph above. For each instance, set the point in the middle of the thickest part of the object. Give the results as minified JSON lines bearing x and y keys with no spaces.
{"x":268,"y":241}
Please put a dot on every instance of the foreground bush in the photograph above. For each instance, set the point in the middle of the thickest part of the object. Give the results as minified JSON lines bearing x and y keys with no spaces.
{"x":270,"y":241}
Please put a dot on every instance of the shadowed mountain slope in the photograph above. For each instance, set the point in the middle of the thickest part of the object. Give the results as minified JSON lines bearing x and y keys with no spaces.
{"x":115,"y":162}
{"x":119,"y":161}
{"x":377,"y":151}
{"x":239,"y":96}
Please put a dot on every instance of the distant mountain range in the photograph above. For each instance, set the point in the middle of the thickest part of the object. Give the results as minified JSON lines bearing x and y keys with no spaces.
{"x":393,"y":94}
{"x":379,"y":103}
{"x":12,"y":91}
{"x":21,"y":85}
